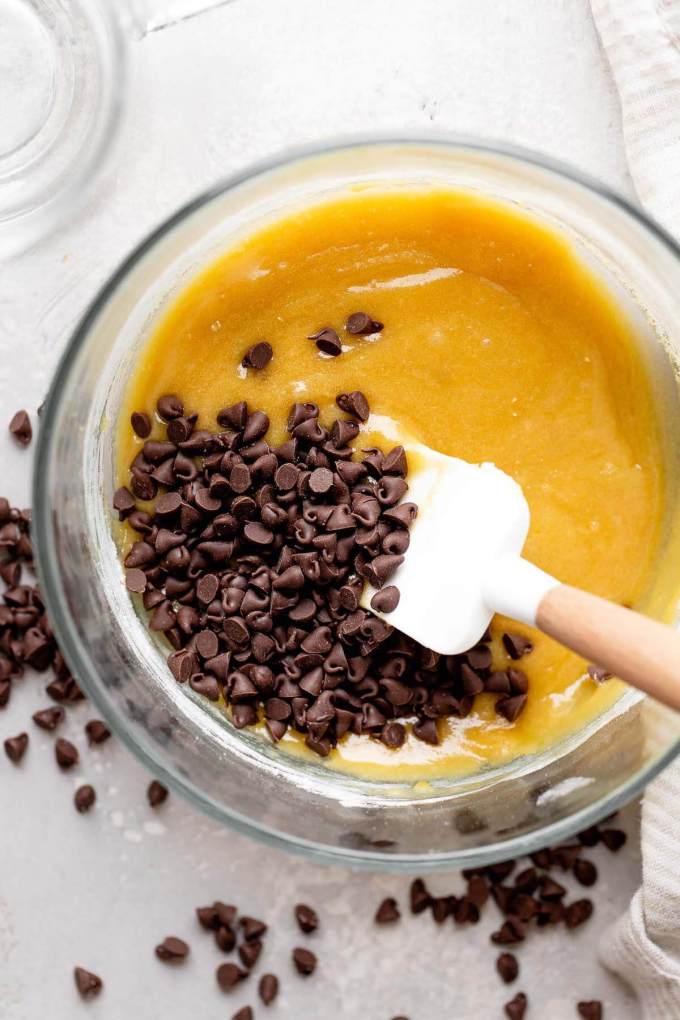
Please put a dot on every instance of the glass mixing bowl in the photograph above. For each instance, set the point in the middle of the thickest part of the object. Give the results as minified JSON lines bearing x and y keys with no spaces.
{"x":236,"y":775}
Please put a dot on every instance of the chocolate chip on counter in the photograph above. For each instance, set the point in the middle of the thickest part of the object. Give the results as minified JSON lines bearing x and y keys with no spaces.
{"x":361,"y":324}
{"x":225,"y":939}
{"x":245,"y":1013}
{"x":517,"y":1007}
{"x":508,"y":967}
{"x":307,"y":919}
{"x":88,"y":984}
{"x":591,"y":1010}
{"x":172,"y":950}
{"x":20,"y":427}
{"x":84,"y":798}
{"x":613,"y":839}
{"x":141,"y":424}
{"x":249,"y":953}
{"x":328,"y":341}
{"x":49,"y":718}
{"x":419,"y":896}
{"x":156,"y":793}
{"x":252,"y":928}
{"x":511,"y":931}
{"x":354,"y":403}
{"x":517,"y":645}
{"x":66,"y":754}
{"x":387,"y":912}
{"x":577,"y":913}
{"x":15,"y":747}
{"x":585,"y":872}
{"x":170,"y":406}
{"x":268,"y":988}
{"x":386,"y":600}
{"x":229,"y":975}
{"x":97,"y":732}
{"x":304,"y":960}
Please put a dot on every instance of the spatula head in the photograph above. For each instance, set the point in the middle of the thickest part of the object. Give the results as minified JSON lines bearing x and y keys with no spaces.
{"x":470,"y":517}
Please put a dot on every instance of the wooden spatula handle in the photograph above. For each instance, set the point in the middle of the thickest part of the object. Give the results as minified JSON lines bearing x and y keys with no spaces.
{"x":640,"y":651}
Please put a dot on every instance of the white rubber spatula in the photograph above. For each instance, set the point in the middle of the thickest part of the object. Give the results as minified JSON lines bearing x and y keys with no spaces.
{"x":464,"y":564}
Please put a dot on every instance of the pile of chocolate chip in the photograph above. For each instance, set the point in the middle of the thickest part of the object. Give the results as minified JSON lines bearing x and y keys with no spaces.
{"x":252,"y":563}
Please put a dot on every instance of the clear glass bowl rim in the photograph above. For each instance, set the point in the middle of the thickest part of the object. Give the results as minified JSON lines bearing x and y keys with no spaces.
{"x":49,"y":575}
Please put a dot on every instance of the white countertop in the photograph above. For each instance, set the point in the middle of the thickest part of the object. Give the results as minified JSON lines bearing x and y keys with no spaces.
{"x":101,"y":890}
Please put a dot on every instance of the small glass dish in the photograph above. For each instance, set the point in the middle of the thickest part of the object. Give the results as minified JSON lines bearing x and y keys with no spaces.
{"x":238,"y":776}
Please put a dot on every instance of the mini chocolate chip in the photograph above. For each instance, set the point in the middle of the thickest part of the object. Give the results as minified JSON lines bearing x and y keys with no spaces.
{"x":229,"y":975}
{"x":268,"y":988}
{"x":88,"y":984}
{"x":306,"y":918}
{"x":172,"y":950}
{"x":517,"y":1007}
{"x":156,"y":793}
{"x":20,"y":427}
{"x":304,"y":960}
{"x":386,"y":600}
{"x":15,"y":747}
{"x":508,"y":967}
{"x":97,"y":731}
{"x":591,"y":1010}
{"x":66,"y":754}
{"x":170,"y":406}
{"x":258,"y":356}
{"x":49,"y":718}
{"x":387,"y":912}
{"x":84,"y":798}
{"x":361,"y":324}
{"x":141,"y":424}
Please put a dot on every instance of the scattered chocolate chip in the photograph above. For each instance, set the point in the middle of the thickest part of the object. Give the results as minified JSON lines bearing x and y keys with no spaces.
{"x":268,"y":988}
{"x":387,"y":912}
{"x":508,"y":967}
{"x":49,"y":718}
{"x":84,"y":798}
{"x":245,"y":1013}
{"x":97,"y":732}
{"x":577,"y":913}
{"x":66,"y":754}
{"x":88,"y":984}
{"x":591,"y":1010}
{"x":249,"y":953}
{"x":307,"y":919}
{"x":156,"y":793}
{"x":258,"y":356}
{"x":15,"y":747}
{"x":172,"y":950}
{"x":20,"y":427}
{"x":386,"y":600}
{"x":328,"y":341}
{"x":361,"y":324}
{"x":419,"y":896}
{"x":585,"y":872}
{"x":517,"y":1007}
{"x":141,"y":424}
{"x":304,"y":960}
{"x":229,"y":975}
{"x":252,"y":928}
{"x":613,"y":839}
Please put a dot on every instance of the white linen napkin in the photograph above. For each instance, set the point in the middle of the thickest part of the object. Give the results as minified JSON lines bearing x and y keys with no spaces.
{"x":641,"y":39}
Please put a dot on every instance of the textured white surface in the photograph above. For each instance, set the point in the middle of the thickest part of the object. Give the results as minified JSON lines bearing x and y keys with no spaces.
{"x":101,"y":890}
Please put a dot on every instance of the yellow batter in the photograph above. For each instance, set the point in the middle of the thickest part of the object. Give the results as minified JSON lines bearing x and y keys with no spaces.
{"x":498,"y":345}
